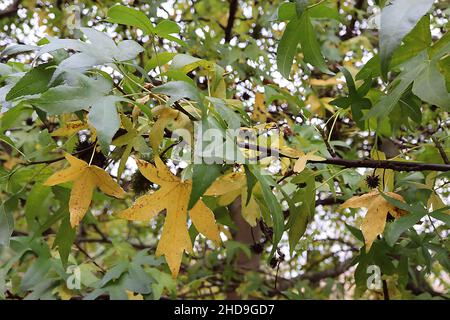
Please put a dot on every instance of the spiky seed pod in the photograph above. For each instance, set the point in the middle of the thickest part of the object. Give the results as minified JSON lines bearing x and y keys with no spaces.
{"x":140,"y":184}
{"x":373,"y":181}
{"x":85,"y":147}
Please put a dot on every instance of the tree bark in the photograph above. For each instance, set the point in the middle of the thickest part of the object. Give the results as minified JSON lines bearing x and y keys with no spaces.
{"x":247,"y":235}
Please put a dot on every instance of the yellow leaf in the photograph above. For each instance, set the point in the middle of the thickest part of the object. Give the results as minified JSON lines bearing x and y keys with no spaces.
{"x":302,"y":158}
{"x":260,"y":113}
{"x":166,"y":117}
{"x":318,"y":105}
{"x":230,"y":186}
{"x":85,"y":178}
{"x":226,"y":183}
{"x":435,"y":203}
{"x":386,"y":175}
{"x":9,"y":162}
{"x":69,"y":128}
{"x":132,"y":296}
{"x":325,"y":82}
{"x":377,"y":210}
{"x":80,"y":198}
{"x":203,"y":219}
{"x":173,"y":196}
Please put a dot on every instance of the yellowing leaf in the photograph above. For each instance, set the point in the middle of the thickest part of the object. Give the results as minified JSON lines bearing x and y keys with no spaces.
{"x":325,"y":82}
{"x":85,"y":178}
{"x":318,"y":105}
{"x":69,"y":128}
{"x":173,"y":196}
{"x":166,"y":117}
{"x":300,"y":164}
{"x":260,"y":113}
{"x":386,"y":175}
{"x":9,"y":162}
{"x":232,"y":185}
{"x":302,"y":158}
{"x":132,"y":296}
{"x":435,"y":203}
{"x":377,"y":211}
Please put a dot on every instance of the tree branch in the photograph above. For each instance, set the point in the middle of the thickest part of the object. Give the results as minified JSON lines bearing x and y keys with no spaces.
{"x":441,"y":150}
{"x":231,"y":18}
{"x":362,"y":163}
{"x":317,"y":276}
{"x":386,"y":164}
{"x":32,"y":163}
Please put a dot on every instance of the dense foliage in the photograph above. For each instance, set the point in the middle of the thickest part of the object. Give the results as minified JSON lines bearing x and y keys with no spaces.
{"x":336,"y":113}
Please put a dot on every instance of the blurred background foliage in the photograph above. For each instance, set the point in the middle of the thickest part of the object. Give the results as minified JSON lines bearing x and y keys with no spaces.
{"x":116,"y":258}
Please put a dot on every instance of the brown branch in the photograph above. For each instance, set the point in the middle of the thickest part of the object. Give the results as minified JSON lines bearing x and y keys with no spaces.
{"x":386,"y":164}
{"x":362,"y":163}
{"x":231,"y":17}
{"x":108,"y":241}
{"x":329,"y":201}
{"x":441,"y":150}
{"x":317,"y":276}
{"x":57,"y":159}
{"x":327,"y":144}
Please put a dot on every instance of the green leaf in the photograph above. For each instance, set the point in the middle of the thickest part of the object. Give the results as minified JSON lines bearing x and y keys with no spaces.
{"x":411,"y":70}
{"x":100,"y":49}
{"x":131,"y":17}
{"x":430,"y":86}
{"x":114,"y":273}
{"x":163,"y":281}
{"x":310,"y":45}
{"x":104,"y":118}
{"x":415,"y":42}
{"x":322,"y":11}
{"x":17,"y":49}
{"x":355,"y":232}
{"x":272,"y":203}
{"x":350,"y":83}
{"x":178,"y":90}
{"x":89,"y":94}
{"x":35,"y":205}
{"x":35,"y":275}
{"x":251,"y":182}
{"x":137,"y":280}
{"x":410,"y":105}
{"x":159,"y":60}
{"x":287,"y":11}
{"x":6,"y":226}
{"x":69,"y":98}
{"x":64,"y":238}
{"x":302,"y":215}
{"x":300,"y":6}
{"x":440,"y":47}
{"x":165,"y":28}
{"x":203,"y":176}
{"x":397,"y":20}
{"x":34,"y":81}
{"x":396,"y":228}
{"x":287,"y":47}
{"x":401,"y":205}
{"x":440,"y":215}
